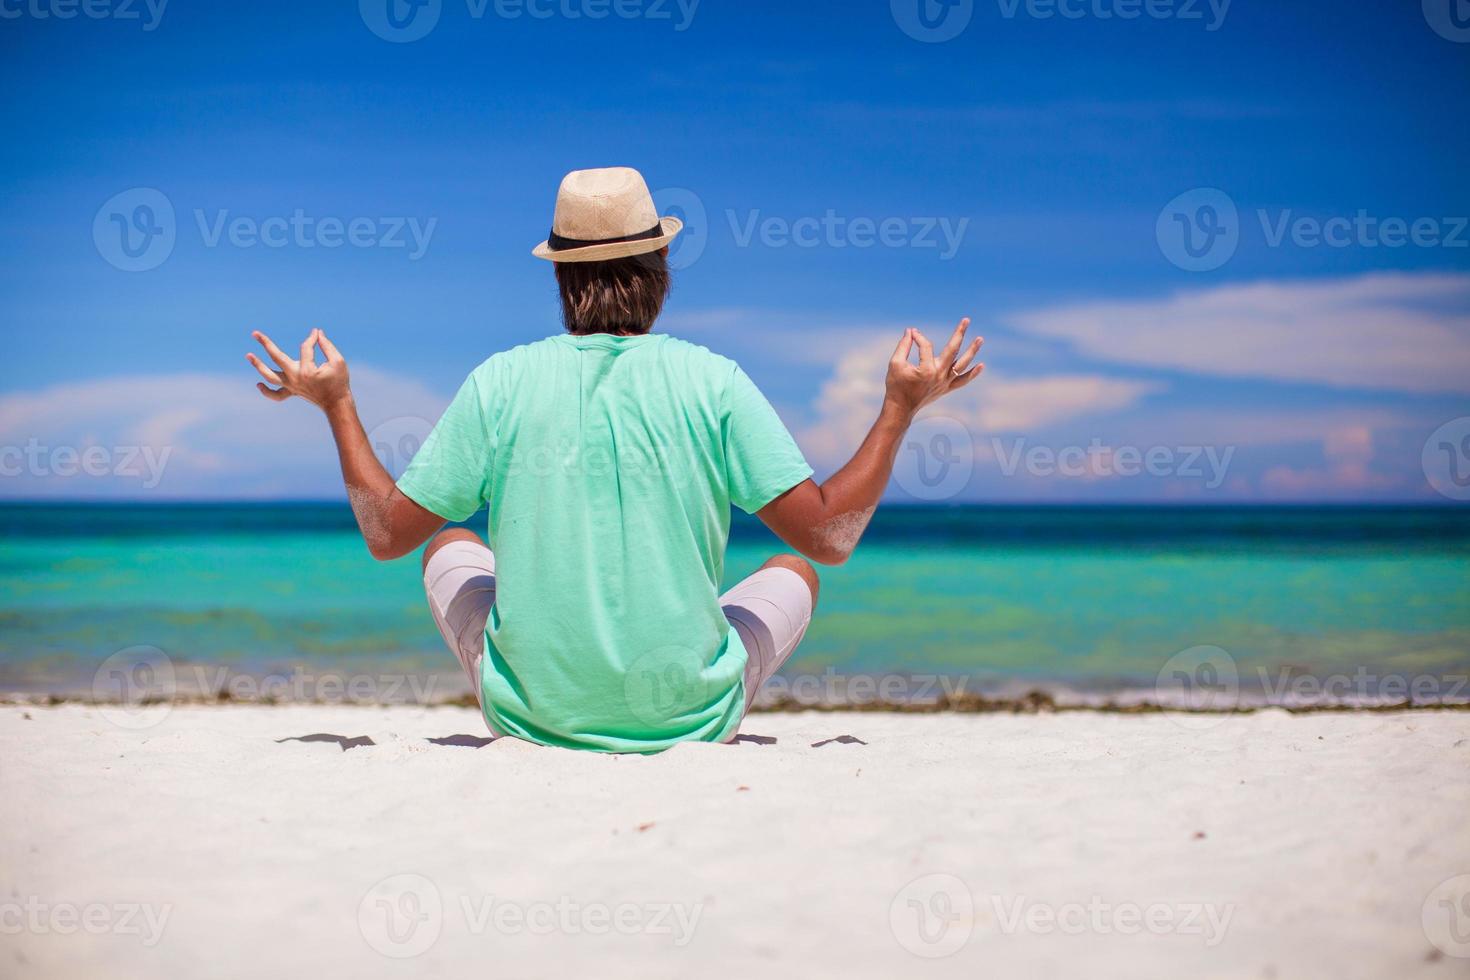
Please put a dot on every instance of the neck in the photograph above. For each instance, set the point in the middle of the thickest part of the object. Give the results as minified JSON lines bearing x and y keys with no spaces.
{"x":612,"y":331}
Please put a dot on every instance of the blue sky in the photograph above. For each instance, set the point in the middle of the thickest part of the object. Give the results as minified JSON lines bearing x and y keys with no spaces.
{"x":1034,"y":172}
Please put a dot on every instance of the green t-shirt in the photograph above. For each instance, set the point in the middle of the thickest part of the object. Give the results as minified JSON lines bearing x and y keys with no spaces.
{"x":609,"y":465}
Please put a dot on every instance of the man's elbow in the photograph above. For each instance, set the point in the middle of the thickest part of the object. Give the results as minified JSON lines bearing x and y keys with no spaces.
{"x":834,"y":540}
{"x":383,"y":549}
{"x":829,"y":554}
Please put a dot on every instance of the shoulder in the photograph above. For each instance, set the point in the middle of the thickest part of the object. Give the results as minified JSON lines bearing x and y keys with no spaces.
{"x":529,"y":352}
{"x":507,"y":363}
{"x":697,"y":358}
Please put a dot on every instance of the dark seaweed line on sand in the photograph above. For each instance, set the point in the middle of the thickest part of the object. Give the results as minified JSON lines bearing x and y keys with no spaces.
{"x":1035,"y":702}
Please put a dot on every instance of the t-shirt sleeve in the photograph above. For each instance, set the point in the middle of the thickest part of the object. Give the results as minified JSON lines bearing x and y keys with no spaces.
{"x":761,"y":458}
{"x":450,"y":473}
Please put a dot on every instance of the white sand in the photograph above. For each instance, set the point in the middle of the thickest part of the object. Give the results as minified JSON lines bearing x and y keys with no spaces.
{"x":1325,"y":837}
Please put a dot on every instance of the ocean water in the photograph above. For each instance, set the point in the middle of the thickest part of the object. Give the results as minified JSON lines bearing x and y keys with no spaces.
{"x":1092,"y":600}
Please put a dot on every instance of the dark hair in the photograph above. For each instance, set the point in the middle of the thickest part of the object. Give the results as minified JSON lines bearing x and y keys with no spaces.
{"x":619,"y":296}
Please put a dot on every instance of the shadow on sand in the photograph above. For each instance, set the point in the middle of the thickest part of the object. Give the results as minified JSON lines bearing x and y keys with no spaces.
{"x":346,"y":742}
{"x":479,"y":742}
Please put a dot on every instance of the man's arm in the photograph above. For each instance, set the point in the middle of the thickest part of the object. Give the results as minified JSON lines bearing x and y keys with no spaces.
{"x":391,"y":524}
{"x":824,"y":522}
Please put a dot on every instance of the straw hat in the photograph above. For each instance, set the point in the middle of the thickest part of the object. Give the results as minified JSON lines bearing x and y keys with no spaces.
{"x":605,"y":214}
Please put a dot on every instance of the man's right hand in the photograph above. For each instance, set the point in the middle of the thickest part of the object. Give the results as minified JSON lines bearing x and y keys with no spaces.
{"x":392,"y":524}
{"x":324,"y":385}
{"x":912,"y":386}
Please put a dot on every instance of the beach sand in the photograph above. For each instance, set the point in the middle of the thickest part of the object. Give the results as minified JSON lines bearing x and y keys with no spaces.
{"x":1104,"y":845}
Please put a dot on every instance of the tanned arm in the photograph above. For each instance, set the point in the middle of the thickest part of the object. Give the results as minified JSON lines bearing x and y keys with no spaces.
{"x":391,"y":524}
{"x":824,"y":522}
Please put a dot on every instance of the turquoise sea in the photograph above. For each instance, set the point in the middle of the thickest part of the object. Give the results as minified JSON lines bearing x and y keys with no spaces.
{"x":1082,"y":599}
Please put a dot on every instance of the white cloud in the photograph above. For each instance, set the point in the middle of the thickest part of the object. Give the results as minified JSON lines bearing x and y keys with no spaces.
{"x":1259,"y":425}
{"x":1348,"y":452}
{"x":187,"y":436}
{"x":1383,"y":331}
{"x":849,"y":400}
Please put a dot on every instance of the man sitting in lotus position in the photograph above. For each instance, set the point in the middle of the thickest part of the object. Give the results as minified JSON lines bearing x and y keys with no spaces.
{"x":609,"y":457}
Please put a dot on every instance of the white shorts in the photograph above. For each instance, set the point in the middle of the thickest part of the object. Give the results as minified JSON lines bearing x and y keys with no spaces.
{"x":770,"y":611}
